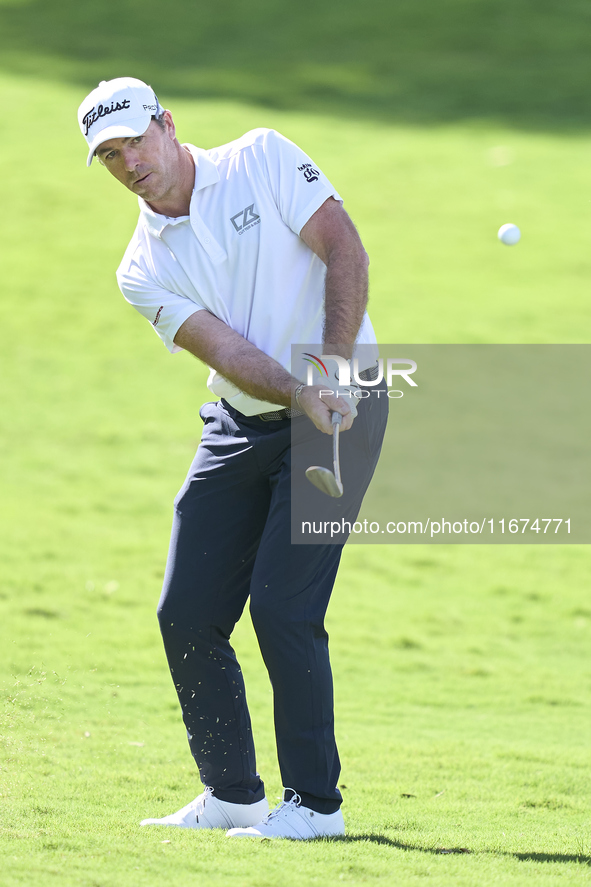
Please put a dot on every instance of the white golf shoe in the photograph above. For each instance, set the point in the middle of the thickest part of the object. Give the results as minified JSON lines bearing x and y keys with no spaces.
{"x":290,"y":820}
{"x":207,"y":811}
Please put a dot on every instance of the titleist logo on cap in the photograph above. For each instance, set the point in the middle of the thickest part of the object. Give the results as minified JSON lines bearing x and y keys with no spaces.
{"x":102,"y":111}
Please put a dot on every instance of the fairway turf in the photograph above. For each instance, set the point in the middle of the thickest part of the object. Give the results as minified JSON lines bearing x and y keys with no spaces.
{"x":462,"y":674}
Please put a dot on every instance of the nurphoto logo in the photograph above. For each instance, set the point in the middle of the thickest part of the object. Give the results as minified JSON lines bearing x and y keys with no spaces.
{"x":400,"y":367}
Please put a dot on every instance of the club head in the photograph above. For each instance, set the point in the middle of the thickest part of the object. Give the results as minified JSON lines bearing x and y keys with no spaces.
{"x":325,"y":481}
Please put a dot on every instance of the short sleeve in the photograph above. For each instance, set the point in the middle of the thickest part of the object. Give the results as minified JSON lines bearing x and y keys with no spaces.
{"x":165,"y":310}
{"x":298,"y":186}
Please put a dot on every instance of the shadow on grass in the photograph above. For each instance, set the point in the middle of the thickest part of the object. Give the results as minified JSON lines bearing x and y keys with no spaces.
{"x":400,"y":845}
{"x":525,"y":63}
{"x":376,"y":838}
{"x":552,"y":857}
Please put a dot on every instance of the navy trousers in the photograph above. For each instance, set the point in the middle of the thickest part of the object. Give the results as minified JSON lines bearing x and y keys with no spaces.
{"x":230,"y":540}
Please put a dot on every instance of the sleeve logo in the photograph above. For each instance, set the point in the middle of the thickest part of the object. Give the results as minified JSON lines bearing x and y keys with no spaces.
{"x":310,"y":174}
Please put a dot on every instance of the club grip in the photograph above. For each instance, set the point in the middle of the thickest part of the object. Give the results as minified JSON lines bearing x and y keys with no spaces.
{"x":336,"y":418}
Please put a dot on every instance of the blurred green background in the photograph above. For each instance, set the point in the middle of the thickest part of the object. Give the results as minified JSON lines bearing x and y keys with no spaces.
{"x":462,"y":677}
{"x":524,"y":63}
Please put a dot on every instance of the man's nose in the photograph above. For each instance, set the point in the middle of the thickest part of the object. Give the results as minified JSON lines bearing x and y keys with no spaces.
{"x":130,"y":158}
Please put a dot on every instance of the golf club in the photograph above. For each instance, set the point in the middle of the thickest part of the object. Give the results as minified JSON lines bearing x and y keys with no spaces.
{"x":323,"y":478}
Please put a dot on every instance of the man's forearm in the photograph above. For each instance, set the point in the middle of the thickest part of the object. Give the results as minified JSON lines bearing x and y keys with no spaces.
{"x":345,"y":299}
{"x":236,"y":359}
{"x":331,"y":234}
{"x":254,"y":372}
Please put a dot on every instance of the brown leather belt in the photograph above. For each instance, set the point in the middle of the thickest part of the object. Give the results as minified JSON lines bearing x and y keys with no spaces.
{"x":369,"y":375}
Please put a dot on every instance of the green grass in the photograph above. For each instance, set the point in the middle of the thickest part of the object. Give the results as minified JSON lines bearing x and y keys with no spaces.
{"x":463,"y":717}
{"x":523,"y":63}
{"x":462,"y":673}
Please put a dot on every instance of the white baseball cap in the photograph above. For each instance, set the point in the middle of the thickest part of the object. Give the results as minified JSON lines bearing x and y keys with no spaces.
{"x":117,"y":109}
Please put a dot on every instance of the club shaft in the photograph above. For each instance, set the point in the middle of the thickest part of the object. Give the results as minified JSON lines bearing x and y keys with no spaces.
{"x":335,"y":452}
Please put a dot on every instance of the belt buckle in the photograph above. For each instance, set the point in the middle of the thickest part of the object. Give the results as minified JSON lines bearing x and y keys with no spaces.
{"x":279,"y":415}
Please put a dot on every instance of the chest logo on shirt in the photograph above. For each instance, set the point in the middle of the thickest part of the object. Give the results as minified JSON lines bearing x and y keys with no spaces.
{"x":310,"y":174}
{"x":245,"y":219}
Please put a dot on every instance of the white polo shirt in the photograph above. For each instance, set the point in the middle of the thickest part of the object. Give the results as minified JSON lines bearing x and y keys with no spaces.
{"x":237,"y":254}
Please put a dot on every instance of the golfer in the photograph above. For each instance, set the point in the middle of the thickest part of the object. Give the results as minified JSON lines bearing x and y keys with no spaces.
{"x":240,"y":252}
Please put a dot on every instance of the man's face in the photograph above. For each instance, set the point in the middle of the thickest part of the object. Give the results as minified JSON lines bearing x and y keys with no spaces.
{"x":147,"y":164}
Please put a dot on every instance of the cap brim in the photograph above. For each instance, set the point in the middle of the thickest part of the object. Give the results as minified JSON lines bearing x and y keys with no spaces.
{"x":131,"y":128}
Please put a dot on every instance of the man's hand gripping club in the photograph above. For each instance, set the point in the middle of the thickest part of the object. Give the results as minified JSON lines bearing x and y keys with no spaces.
{"x":318,"y":404}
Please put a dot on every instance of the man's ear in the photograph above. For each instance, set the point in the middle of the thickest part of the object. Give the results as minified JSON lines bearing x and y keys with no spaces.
{"x":169,"y":123}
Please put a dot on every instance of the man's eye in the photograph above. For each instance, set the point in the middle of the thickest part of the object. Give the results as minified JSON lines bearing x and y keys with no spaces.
{"x":138,"y":139}
{"x":110,"y":155}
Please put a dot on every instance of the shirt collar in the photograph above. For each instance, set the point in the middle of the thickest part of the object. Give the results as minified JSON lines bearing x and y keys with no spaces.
{"x":206,"y":173}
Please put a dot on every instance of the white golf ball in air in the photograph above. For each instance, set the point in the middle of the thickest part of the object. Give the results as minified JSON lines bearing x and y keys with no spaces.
{"x":509,"y":234}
